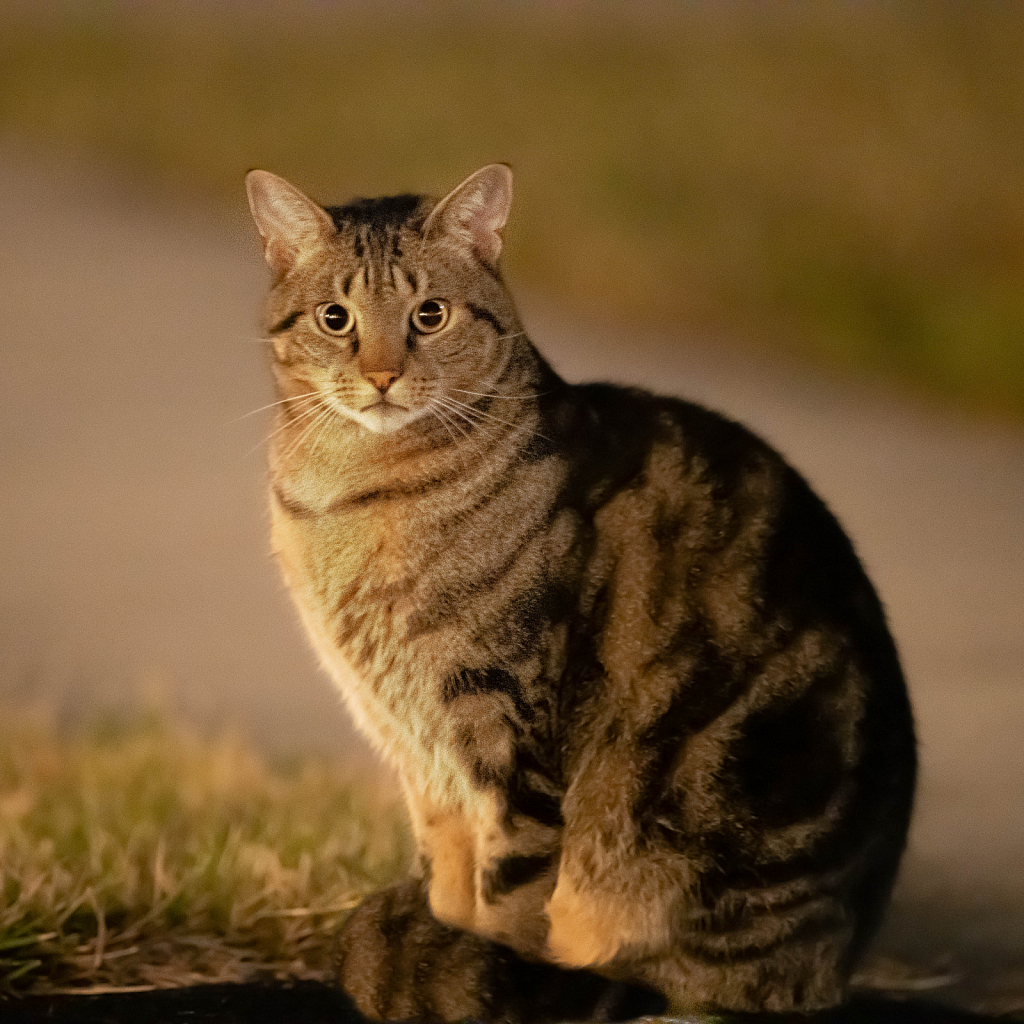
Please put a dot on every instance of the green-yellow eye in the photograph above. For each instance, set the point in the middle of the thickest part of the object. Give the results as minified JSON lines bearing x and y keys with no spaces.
{"x":334,"y":318}
{"x":430,"y":315}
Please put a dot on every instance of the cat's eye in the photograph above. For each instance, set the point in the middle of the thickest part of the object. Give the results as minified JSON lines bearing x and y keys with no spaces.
{"x":430,"y":315}
{"x":334,"y":318}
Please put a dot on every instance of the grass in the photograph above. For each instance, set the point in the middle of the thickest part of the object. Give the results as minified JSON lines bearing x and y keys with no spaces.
{"x":842,"y":181}
{"x":143,"y":855}
{"x":146,"y":855}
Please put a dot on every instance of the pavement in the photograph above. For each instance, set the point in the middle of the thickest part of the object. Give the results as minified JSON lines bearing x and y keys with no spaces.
{"x":133,"y":531}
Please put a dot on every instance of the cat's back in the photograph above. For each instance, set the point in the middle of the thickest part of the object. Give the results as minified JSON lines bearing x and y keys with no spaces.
{"x":692,"y":485}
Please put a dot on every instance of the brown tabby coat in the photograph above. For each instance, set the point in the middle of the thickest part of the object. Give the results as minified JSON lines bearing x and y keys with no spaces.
{"x":642,"y":698}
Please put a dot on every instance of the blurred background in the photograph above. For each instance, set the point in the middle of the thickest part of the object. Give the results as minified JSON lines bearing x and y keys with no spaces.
{"x":808,"y":215}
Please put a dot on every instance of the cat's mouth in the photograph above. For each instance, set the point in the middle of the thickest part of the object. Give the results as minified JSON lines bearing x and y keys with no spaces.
{"x":383,"y":405}
{"x":384,"y":415}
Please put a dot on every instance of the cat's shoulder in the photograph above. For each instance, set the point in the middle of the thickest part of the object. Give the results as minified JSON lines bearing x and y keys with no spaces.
{"x":615,"y":421}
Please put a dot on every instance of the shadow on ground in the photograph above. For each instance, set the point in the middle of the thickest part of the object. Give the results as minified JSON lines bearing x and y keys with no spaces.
{"x":314,"y":1003}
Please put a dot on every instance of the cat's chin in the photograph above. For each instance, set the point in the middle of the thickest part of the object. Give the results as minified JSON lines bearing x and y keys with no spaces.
{"x":384,"y":417}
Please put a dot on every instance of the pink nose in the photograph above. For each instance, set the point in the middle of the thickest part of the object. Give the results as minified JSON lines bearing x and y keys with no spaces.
{"x":381,"y":379}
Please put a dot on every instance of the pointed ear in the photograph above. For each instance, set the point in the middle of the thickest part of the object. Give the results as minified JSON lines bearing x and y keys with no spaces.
{"x":289,"y":223}
{"x":475,"y":212}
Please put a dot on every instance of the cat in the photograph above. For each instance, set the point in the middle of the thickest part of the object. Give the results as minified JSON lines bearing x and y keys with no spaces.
{"x":649,"y":721}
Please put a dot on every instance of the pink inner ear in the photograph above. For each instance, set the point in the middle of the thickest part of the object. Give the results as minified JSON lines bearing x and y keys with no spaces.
{"x":287,"y":220}
{"x":477,"y":210}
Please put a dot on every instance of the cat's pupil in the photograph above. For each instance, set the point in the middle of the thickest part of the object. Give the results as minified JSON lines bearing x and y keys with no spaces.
{"x":431,"y":315}
{"x":336,"y":317}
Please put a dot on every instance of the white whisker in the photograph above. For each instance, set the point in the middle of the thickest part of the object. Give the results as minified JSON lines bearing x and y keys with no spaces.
{"x":325,"y":413}
{"x":304,"y":415}
{"x":478,"y":429}
{"x":498,"y":394}
{"x":446,"y":417}
{"x":496,"y":419}
{"x":453,"y":408}
{"x":436,"y":413}
{"x":324,"y":425}
{"x":270,"y":405}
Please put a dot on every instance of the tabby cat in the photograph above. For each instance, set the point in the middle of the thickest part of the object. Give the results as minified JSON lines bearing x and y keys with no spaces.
{"x":649,"y":721}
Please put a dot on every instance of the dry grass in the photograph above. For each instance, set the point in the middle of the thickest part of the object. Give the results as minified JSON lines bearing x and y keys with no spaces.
{"x":148,"y":856}
{"x":845,"y":181}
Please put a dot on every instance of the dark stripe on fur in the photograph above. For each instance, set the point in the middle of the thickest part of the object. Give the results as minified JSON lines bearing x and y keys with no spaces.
{"x":483,"y":265}
{"x":532,"y":791}
{"x":286,"y":323}
{"x":764,"y":936}
{"x":398,"y":491}
{"x":512,"y":872}
{"x":383,"y":215}
{"x":479,"y":313}
{"x":461,"y":519}
{"x":468,"y":681}
{"x":541,"y":807}
{"x":426,"y":620}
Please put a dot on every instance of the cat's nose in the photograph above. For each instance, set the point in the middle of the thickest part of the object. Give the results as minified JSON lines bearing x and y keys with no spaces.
{"x":381,"y":379}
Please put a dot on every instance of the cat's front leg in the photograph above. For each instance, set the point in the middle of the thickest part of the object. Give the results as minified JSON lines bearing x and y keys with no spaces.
{"x":614,"y":898}
{"x":445,"y":840}
{"x":486,"y":870}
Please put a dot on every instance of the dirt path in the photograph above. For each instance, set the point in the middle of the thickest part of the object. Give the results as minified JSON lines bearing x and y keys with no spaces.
{"x":132,"y":528}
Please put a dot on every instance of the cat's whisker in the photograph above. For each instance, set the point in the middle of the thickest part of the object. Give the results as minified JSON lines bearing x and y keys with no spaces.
{"x":271,"y":405}
{"x":325,"y":414}
{"x":497,"y":419}
{"x":444,"y":423}
{"x":477,"y":425}
{"x":446,"y":417}
{"x":498,"y":394}
{"x":451,"y":427}
{"x":309,"y":408}
{"x":480,"y":412}
{"x":304,"y":415}
{"x":478,"y":432}
{"x":324,"y":426}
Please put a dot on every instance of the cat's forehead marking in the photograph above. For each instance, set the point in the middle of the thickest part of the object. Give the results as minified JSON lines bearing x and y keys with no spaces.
{"x":403,"y":284}
{"x":358,"y":285}
{"x":376,"y":226}
{"x":369,"y":283}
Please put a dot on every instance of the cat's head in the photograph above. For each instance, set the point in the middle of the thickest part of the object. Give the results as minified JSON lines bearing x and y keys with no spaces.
{"x":389,"y":310}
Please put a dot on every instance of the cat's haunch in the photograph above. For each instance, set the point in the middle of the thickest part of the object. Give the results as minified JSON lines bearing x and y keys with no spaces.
{"x":647,"y":714}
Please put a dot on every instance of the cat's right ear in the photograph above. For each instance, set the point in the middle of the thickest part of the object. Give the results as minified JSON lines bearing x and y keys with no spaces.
{"x":289,"y":223}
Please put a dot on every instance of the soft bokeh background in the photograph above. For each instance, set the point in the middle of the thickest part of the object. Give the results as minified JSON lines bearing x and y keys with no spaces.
{"x":808,"y":215}
{"x":842,"y":179}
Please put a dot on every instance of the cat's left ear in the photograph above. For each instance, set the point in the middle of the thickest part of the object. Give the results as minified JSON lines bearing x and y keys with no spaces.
{"x":289,"y":223}
{"x":475,"y":212}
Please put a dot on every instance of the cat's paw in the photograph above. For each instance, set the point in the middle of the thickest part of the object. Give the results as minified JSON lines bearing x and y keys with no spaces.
{"x":397,"y":963}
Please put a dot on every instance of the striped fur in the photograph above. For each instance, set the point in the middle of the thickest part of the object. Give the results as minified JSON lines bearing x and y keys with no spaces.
{"x":642,"y":698}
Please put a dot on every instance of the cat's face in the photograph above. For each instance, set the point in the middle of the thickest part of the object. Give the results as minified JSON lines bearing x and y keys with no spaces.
{"x":387,"y":311}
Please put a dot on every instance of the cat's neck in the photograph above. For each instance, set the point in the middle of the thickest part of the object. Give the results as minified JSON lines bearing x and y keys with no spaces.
{"x":342,"y":460}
